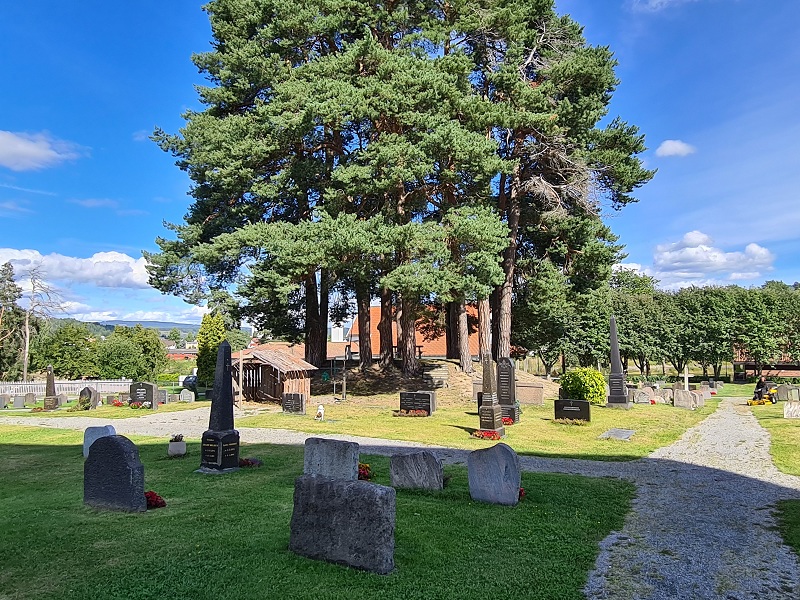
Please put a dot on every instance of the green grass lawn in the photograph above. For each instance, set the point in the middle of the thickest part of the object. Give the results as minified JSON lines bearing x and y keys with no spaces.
{"x":227,"y":536}
{"x":536,"y":434}
{"x":104,"y":412}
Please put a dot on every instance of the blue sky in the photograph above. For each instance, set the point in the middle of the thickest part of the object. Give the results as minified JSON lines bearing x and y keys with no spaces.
{"x":713,"y":84}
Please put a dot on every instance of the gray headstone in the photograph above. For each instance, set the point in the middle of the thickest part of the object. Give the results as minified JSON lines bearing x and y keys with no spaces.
{"x":30,"y":399}
{"x":62,"y":399}
{"x":124,"y":397}
{"x":5,"y":400}
{"x":683,"y":399}
{"x":19,"y":401}
{"x":171,"y":398}
{"x":50,"y":386}
{"x":618,"y":434}
{"x":793,"y":394}
{"x":791,"y":410}
{"x":345,"y":522}
{"x":418,"y":470}
{"x":494,"y":475}
{"x":643,"y":395}
{"x":187,"y":396}
{"x":161,"y":397}
{"x":699,"y":398}
{"x":50,"y":402}
{"x":331,"y":458}
{"x":113,"y":476}
{"x":90,"y":394}
{"x":92,"y":434}
{"x":783,"y":391}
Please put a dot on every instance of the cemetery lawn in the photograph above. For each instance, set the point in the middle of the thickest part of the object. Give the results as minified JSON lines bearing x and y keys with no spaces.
{"x":106,"y":412}
{"x":226,"y":536}
{"x":536,"y":434}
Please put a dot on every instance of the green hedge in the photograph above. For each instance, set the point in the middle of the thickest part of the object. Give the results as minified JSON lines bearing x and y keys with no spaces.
{"x":584,"y":384}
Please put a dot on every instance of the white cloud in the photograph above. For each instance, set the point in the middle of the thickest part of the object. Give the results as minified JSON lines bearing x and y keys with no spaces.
{"x":695,"y":261}
{"x":656,"y":5}
{"x":83,"y":312}
{"x":30,"y":152}
{"x":102,"y":269}
{"x":675,"y":148}
{"x":26,"y":190}
{"x":96,"y":203}
{"x":141,"y":136}
{"x":11,"y":208}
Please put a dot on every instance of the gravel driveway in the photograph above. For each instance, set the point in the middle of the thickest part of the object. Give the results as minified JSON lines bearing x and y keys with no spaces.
{"x":701,"y":526}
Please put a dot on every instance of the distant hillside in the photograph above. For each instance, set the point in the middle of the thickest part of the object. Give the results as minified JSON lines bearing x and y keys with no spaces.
{"x":160,"y":325}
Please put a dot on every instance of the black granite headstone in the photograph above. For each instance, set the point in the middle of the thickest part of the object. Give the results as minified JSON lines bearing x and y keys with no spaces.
{"x":507,"y":389}
{"x":220,"y":444}
{"x":294,"y":403}
{"x":617,"y":394}
{"x":421,"y":400}
{"x":577,"y":410}
{"x":113,"y":475}
{"x":142,"y":392}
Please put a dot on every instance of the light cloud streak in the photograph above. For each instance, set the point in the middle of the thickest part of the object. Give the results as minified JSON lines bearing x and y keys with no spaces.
{"x":31,"y":152}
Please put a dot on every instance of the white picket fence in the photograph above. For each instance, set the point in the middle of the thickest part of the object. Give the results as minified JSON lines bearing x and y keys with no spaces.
{"x":71,"y":388}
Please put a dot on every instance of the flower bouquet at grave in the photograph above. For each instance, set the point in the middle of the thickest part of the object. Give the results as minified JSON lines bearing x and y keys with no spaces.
{"x":178,"y":437}
{"x":364,"y":471}
{"x":410,"y":413}
{"x":483,"y":434}
{"x":118,"y":403}
{"x":154,"y":500}
{"x":249,"y":462}
{"x":508,"y":421}
{"x":136,"y":405}
{"x":146,"y":405}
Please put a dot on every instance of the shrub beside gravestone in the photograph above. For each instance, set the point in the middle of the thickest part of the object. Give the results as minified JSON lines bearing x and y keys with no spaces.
{"x":584,"y":384}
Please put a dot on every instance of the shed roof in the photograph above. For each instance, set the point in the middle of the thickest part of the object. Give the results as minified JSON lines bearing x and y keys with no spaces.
{"x":283,"y":362}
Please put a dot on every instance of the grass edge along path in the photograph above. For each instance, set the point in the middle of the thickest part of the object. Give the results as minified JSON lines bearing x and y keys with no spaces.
{"x":536,"y":434}
{"x":104,"y":411}
{"x":784,"y":440}
{"x":228,"y":535}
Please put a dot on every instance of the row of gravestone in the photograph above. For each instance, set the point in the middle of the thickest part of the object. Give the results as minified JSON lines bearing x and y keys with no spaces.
{"x":339,"y":519}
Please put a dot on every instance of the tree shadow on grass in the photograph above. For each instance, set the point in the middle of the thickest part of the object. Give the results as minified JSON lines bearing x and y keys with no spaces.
{"x":469,"y":430}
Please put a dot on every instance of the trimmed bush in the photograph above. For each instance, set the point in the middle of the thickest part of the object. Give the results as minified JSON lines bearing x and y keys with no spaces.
{"x":584,"y":384}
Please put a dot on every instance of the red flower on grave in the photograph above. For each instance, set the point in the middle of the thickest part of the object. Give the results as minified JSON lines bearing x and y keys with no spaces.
{"x":521,"y":493}
{"x":364,"y":471}
{"x":508,"y":421}
{"x":249,"y":462}
{"x":483,"y":434}
{"x":154,"y":500}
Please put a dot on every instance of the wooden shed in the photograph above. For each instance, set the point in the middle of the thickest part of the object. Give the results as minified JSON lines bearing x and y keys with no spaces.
{"x":266,"y":375}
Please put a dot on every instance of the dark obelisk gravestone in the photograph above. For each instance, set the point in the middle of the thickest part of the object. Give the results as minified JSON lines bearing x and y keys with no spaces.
{"x":220,"y":446}
{"x":50,"y":398}
{"x":618,"y":394}
{"x":507,"y":389}
{"x":490,"y":413}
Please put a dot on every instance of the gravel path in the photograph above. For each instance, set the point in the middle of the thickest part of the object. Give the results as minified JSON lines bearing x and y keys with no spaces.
{"x":701,"y":526}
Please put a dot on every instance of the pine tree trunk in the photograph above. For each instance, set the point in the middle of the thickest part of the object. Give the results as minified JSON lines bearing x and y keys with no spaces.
{"x":398,"y":323}
{"x":465,"y":356}
{"x":495,"y":321}
{"x":509,"y":264}
{"x":408,"y":344}
{"x":484,"y":329}
{"x":451,"y":329}
{"x":385,"y":329}
{"x":316,"y":320}
{"x":364,"y":335}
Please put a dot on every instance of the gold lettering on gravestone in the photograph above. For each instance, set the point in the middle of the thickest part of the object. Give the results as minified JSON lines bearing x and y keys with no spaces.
{"x":212,"y":453}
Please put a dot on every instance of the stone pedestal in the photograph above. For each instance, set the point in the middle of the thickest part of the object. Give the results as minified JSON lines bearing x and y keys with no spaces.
{"x":618,"y":393}
{"x":220,"y":451}
{"x":491,"y":415}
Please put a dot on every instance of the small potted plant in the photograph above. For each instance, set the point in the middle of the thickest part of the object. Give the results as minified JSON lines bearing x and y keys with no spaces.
{"x":177,"y":447}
